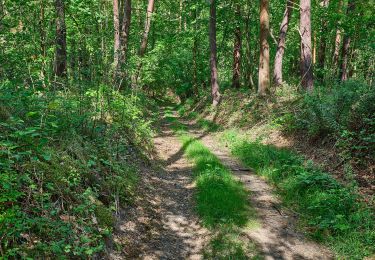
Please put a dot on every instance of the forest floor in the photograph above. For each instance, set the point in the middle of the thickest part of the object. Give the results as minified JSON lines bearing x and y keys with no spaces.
{"x":165,"y":225}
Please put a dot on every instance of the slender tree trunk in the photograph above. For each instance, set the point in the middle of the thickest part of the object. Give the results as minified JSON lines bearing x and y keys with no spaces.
{"x":237,"y":51}
{"x":150,"y":10}
{"x":336,"y":52}
{"x":213,"y":55}
{"x":195,"y":68}
{"x":278,"y":67}
{"x":323,"y":43}
{"x":144,"y":41}
{"x":42,"y":33}
{"x":306,"y":55}
{"x":249,"y":76}
{"x":264,"y":57}
{"x":60,"y":53}
{"x":125,"y":29}
{"x":116,"y":47}
{"x":346,"y":46}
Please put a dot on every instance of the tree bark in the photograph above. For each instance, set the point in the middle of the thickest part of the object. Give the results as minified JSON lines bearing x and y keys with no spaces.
{"x":213,"y":55}
{"x":60,"y":52}
{"x":336,"y":52}
{"x":42,"y":34}
{"x":278,"y":67}
{"x":125,"y":29}
{"x":306,"y":55}
{"x":248,"y":71}
{"x":116,"y":46}
{"x":150,"y":10}
{"x":264,"y":57}
{"x":237,"y":51}
{"x":323,"y":43}
{"x":346,"y":46}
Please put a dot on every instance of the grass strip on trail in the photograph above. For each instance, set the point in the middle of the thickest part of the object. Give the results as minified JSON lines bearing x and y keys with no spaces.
{"x":221,"y":201}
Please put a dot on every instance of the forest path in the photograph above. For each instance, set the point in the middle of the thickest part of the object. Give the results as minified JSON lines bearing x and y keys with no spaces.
{"x":276,"y":236}
{"x":165,"y":224}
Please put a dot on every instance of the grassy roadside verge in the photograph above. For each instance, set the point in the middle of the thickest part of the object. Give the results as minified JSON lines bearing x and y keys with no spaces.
{"x":328,"y":211}
{"x":221,"y":201}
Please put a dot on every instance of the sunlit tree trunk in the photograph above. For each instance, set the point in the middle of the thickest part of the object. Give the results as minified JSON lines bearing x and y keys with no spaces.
{"x":213,"y":55}
{"x":42,"y":33}
{"x":144,"y":41}
{"x":60,"y":52}
{"x":346,"y":46}
{"x":248,"y":60}
{"x":336,"y":52}
{"x":125,"y":29}
{"x":306,"y":51}
{"x":264,"y":57}
{"x":278,"y":67}
{"x":116,"y":47}
{"x":150,"y":10}
{"x":323,"y":43}
{"x":237,"y":51}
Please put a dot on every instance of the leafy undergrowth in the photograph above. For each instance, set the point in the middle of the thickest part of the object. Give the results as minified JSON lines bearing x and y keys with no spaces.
{"x":66,"y":166}
{"x":329,"y":211}
{"x":221,"y":200}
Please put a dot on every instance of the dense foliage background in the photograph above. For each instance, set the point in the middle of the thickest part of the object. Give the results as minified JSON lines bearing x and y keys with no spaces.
{"x":71,"y":140}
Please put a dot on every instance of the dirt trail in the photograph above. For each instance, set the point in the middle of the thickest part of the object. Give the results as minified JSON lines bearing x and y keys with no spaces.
{"x":276,"y":237}
{"x":164,"y":226}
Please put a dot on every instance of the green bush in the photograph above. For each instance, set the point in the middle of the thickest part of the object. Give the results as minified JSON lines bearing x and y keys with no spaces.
{"x":66,"y":158}
{"x":346,"y":113}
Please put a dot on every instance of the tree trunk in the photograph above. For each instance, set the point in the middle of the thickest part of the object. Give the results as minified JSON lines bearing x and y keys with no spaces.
{"x":42,"y":34}
{"x":323,"y":43}
{"x":346,"y":46}
{"x":213,"y":55}
{"x":125,"y":29}
{"x":144,"y":41}
{"x":150,"y":10}
{"x":264,"y":57}
{"x":237,"y":51}
{"x":336,"y":52}
{"x":60,"y":53}
{"x":116,"y":47}
{"x":278,"y":67}
{"x":306,"y":55}
{"x":249,"y":75}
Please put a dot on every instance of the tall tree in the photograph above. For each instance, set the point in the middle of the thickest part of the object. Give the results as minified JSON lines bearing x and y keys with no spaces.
{"x":42,"y":35}
{"x":145,"y":36}
{"x":237,"y":49}
{"x":150,"y":10}
{"x":116,"y":47}
{"x":336,"y":52}
{"x":213,"y":55}
{"x":278,"y":67}
{"x":60,"y":52}
{"x":323,"y":42}
{"x":306,"y":51}
{"x":264,"y":57}
{"x":346,"y":45}
{"x":125,"y":30}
